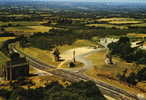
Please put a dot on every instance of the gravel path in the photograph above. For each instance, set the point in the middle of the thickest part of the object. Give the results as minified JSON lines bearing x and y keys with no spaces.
{"x":81,"y":53}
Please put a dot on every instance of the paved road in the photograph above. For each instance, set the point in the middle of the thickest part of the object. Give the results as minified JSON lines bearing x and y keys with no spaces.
{"x":105,"y":88}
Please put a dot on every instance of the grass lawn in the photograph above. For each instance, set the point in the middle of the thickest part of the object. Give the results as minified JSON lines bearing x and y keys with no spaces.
{"x":107,"y":73}
{"x":46,"y":55}
{"x":42,"y":55}
{"x":76,"y":44}
{"x":98,"y":59}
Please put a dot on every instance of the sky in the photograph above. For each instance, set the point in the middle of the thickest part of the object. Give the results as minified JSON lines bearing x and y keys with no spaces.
{"x":135,"y":1}
{"x":100,"y":0}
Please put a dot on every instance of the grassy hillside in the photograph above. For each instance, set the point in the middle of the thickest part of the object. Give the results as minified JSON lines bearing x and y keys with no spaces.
{"x":108,"y":73}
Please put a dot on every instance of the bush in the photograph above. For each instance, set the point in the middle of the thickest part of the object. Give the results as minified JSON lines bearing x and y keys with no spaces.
{"x":123,"y":49}
{"x":55,"y":91}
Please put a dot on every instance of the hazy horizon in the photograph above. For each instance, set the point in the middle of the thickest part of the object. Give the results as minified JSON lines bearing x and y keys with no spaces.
{"x":135,"y":1}
{"x":118,"y":1}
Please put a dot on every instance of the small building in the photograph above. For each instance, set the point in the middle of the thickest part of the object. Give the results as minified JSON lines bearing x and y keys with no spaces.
{"x":16,"y":67}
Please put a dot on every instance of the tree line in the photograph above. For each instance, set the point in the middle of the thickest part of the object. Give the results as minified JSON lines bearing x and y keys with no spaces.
{"x":54,"y":91}
{"x":123,"y":49}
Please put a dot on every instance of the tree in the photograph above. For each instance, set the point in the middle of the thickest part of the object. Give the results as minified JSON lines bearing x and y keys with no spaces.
{"x":2,"y":29}
{"x":125,"y":40}
{"x":123,"y":49}
{"x":131,"y":79}
{"x":141,"y":75}
{"x":56,"y":54}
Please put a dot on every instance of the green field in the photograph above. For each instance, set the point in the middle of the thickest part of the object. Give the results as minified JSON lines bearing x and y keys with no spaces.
{"x":29,"y":29}
{"x":107,"y":26}
{"x":22,"y":23}
{"x":141,"y":35}
{"x":117,"y":23}
{"x":25,"y":26}
{"x":125,"y":22}
{"x":139,"y":25}
{"x":2,"y":39}
{"x":117,"y":20}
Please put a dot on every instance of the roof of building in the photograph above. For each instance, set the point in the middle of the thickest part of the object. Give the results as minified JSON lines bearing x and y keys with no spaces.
{"x":17,"y":63}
